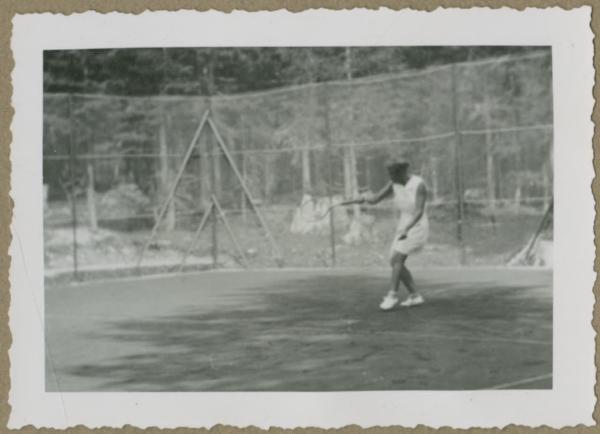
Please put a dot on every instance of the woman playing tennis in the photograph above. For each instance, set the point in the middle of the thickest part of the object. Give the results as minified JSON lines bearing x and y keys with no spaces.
{"x":409,"y":194}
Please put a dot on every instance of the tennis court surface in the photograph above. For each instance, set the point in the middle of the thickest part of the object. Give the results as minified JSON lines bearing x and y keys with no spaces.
{"x":301,"y":330}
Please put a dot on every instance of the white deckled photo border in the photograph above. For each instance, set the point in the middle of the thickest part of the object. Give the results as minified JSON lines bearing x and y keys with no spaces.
{"x":572,"y":399}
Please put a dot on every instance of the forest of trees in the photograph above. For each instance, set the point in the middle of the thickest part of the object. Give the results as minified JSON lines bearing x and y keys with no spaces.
{"x":409,"y":98}
{"x":207,"y":71}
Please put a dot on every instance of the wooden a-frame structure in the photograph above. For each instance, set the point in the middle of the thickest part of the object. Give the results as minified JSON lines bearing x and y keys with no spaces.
{"x":207,"y":122}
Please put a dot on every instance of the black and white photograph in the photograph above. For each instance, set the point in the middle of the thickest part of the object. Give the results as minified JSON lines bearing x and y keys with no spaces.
{"x":326,"y":186}
{"x":315,"y":218}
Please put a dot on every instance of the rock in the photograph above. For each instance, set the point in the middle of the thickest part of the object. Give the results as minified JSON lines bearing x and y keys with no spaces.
{"x":304,"y":216}
{"x":312,"y":215}
{"x":160,"y":245}
{"x":124,"y":201}
{"x":540,"y":255}
{"x":543,"y":253}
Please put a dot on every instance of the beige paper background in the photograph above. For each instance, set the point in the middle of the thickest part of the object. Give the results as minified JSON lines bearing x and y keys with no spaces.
{"x":8,"y":8}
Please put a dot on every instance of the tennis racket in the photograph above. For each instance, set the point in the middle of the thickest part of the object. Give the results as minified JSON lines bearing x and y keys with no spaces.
{"x":344,"y":203}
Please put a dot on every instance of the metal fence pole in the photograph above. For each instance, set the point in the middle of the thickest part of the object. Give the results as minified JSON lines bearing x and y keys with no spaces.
{"x":171,"y":195}
{"x":210,"y":148}
{"x":458,"y":184}
{"x":329,"y":174}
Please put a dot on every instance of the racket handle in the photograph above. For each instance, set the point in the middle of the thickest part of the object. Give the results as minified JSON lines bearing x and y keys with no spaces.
{"x":353,"y":201}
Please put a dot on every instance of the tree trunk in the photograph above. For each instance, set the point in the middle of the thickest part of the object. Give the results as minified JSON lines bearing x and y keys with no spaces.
{"x":91,"y":198}
{"x":352,"y":186}
{"x":489,"y":147}
{"x":519,"y":186}
{"x":347,"y":174}
{"x":519,"y":180}
{"x":518,"y":196}
{"x":267,"y":180}
{"x":243,"y":199}
{"x":547,"y":188}
{"x":306,"y":181}
{"x":434,"y":180}
{"x":516,"y":147}
{"x":548,"y":177}
{"x":165,"y":177}
{"x":354,"y":180}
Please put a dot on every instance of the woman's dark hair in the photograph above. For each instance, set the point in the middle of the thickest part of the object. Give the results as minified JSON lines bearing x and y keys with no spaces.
{"x":397,"y":169}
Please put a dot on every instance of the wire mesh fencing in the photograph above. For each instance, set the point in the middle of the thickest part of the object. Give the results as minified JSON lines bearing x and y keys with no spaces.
{"x":262,"y":171}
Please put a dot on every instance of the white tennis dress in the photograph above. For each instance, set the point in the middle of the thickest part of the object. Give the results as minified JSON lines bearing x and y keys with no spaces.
{"x":405,"y":199}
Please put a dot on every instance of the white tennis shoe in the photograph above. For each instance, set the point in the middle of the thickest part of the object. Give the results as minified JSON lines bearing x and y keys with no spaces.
{"x":389,"y":301}
{"x":413,"y":300}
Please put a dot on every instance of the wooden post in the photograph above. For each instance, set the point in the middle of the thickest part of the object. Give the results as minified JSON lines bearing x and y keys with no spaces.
{"x":329,"y":173}
{"x":91,"y":197}
{"x":72,"y":194}
{"x":457,"y":167}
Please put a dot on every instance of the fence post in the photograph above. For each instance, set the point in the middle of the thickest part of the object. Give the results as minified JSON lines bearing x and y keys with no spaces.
{"x":457,"y":167}
{"x":329,"y":173}
{"x":91,"y":197}
{"x":72,"y":193}
{"x":351,"y":190}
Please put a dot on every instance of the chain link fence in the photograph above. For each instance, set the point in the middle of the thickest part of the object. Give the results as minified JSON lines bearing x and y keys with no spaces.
{"x":480,"y":134}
